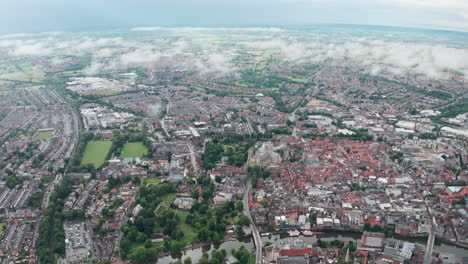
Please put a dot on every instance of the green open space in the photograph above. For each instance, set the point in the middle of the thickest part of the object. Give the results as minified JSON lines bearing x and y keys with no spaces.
{"x":96,"y":152}
{"x":189,"y":232}
{"x":134,"y":150}
{"x":299,"y":80}
{"x":149,"y":181}
{"x":233,"y":219}
{"x":270,"y":52}
{"x":42,"y":135}
{"x":199,"y":88}
{"x":169,"y":198}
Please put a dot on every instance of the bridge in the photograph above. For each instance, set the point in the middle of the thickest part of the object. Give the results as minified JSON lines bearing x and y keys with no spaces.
{"x":430,"y":243}
{"x":256,"y":235}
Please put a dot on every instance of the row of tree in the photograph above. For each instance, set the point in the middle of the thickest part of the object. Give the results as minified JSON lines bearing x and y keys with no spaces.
{"x":51,"y":235}
{"x":75,"y":162}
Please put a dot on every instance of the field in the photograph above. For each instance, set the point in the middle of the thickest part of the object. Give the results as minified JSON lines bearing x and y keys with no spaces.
{"x":270,"y":52}
{"x":169,"y":198}
{"x":299,"y":80}
{"x":189,"y":232}
{"x":43,"y":135}
{"x":149,"y":181}
{"x":96,"y":152}
{"x":134,"y":150}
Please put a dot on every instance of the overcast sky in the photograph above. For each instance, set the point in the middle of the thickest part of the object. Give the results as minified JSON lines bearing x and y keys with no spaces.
{"x":23,"y":16}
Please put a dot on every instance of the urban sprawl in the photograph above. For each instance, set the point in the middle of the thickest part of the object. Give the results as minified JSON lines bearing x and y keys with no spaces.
{"x":136,"y":164}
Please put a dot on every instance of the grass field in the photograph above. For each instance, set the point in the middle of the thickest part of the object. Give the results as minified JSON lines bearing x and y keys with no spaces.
{"x":189,"y":232}
{"x":270,"y":52}
{"x":252,"y":260}
{"x":169,"y":198}
{"x":134,"y":150}
{"x":96,"y":152}
{"x":148,"y":181}
{"x":43,"y":135}
{"x":300,"y":80}
{"x":199,"y":88}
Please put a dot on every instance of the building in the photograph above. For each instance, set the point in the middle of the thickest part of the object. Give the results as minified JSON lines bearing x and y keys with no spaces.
{"x":371,"y":241}
{"x":294,"y":256}
{"x":398,"y":249}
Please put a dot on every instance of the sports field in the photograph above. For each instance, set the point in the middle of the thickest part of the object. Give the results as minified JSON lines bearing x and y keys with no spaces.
{"x":96,"y":152}
{"x":134,"y":150}
{"x":43,"y":135}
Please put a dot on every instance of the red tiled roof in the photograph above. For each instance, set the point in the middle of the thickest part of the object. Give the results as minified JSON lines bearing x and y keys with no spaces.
{"x":296,"y":252}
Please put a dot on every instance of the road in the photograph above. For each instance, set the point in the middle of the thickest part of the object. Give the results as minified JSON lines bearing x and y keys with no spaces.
{"x":163,"y":125}
{"x":255,"y":233}
{"x":249,"y":126}
{"x":430,"y":243}
{"x":292,"y":117}
{"x":193,"y":157}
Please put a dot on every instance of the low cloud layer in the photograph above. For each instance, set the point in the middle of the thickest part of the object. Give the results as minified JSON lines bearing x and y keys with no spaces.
{"x":194,"y":29}
{"x":182,"y":51}
{"x":435,"y":61}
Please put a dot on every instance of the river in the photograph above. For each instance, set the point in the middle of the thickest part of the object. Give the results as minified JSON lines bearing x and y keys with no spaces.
{"x":196,"y":254}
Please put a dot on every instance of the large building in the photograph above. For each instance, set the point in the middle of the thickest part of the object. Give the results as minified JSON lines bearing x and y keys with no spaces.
{"x":371,"y":241}
{"x":294,"y":256}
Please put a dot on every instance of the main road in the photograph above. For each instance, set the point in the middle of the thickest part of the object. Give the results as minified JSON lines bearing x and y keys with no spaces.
{"x":256,"y":235}
{"x":430,"y":243}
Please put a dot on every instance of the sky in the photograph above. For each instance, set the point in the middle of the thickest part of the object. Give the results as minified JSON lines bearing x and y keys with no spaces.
{"x":28,"y":16}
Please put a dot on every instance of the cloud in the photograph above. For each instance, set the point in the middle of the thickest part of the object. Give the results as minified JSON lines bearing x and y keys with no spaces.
{"x":146,"y":29}
{"x":29,"y":35}
{"x":193,"y":29}
{"x":218,"y":64}
{"x":140,"y":56}
{"x":380,"y":54}
{"x":435,"y":61}
{"x":34,"y":49}
{"x":59,"y":45}
{"x":204,"y":58}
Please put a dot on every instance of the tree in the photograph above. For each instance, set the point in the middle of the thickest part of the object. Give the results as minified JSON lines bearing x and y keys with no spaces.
{"x":218,"y":179}
{"x":141,"y":254}
{"x":244,"y":220}
{"x":148,"y":243}
{"x":218,"y":256}
{"x":242,"y":255}
{"x":377,"y":228}
{"x":195,"y":193}
{"x":132,"y":235}
{"x":367,"y":227}
{"x":321,"y":243}
{"x":313,"y":219}
{"x":239,"y":206}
